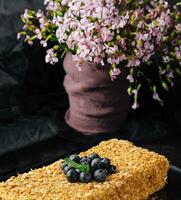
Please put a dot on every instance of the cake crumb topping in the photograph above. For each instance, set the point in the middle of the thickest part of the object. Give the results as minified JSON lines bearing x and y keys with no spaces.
{"x":140,"y":173}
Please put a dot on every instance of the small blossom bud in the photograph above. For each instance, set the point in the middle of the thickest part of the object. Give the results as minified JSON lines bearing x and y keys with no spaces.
{"x":164,"y":85}
{"x":129,"y":90}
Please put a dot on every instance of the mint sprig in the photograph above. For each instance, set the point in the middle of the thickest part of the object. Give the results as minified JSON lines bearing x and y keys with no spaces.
{"x":82,"y":167}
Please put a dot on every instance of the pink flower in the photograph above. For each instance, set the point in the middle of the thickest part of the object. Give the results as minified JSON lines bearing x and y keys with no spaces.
{"x":43,"y":43}
{"x":170,"y":74}
{"x":46,"y":2}
{"x":135,"y":105}
{"x":25,"y":27}
{"x":134,"y":63}
{"x":114,"y":73}
{"x":137,"y":13}
{"x":108,"y":31}
{"x":18,"y":36}
{"x":28,"y":40}
{"x":141,"y":24}
{"x":130,"y":78}
{"x":135,"y":92}
{"x":51,"y":57}
{"x":157,"y":98}
{"x":122,"y":42}
{"x":64,"y":2}
{"x":39,"y":14}
{"x":166,"y":59}
{"x":26,"y":14}
{"x":178,"y":53}
{"x":38,"y":33}
{"x":122,"y":23}
{"x":111,"y":50}
{"x":52,"y":5}
{"x":178,"y":27}
{"x":106,"y":34}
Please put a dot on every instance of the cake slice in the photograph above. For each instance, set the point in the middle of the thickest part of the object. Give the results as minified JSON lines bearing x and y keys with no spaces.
{"x":140,"y":173}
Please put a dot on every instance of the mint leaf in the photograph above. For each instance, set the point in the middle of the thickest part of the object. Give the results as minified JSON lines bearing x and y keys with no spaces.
{"x":82,"y":167}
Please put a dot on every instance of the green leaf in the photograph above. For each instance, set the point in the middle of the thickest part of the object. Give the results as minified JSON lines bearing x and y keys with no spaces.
{"x":168,"y":67}
{"x":118,"y":37}
{"x":154,"y":89}
{"x":56,"y":47}
{"x":113,"y":66}
{"x":33,"y":37}
{"x":23,"y":32}
{"x":138,"y":87}
{"x":110,"y":72}
{"x":82,"y":167}
{"x":53,"y":38}
{"x":63,"y":45}
{"x":139,"y":42}
{"x":63,"y":53}
{"x":146,"y":1}
{"x":71,"y":163}
{"x":132,"y":19}
{"x":59,"y":13}
{"x":165,"y":86}
{"x":165,"y":38}
{"x":178,"y":4}
{"x":129,"y":90}
{"x":131,"y":71}
{"x":178,"y":71}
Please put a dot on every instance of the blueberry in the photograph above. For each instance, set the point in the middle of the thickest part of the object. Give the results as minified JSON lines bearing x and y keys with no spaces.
{"x":112,"y":169}
{"x":72,"y":175}
{"x":93,"y":156}
{"x":91,"y":171}
{"x":66,"y":169}
{"x":105,"y":162}
{"x":83,"y":159}
{"x":100,"y":175}
{"x":87,"y":161}
{"x":85,"y":178}
{"x":96,"y":163}
{"x":63,"y":165}
{"x":75,"y":158}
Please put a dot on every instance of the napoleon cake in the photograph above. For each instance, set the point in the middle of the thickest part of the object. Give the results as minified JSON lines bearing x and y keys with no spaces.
{"x":139,"y":174}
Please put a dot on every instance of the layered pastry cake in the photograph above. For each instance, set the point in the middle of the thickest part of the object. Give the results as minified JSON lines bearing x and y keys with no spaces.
{"x":139,"y":174}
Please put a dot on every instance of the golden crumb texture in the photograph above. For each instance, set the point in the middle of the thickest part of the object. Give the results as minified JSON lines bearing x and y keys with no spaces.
{"x":140,"y":173}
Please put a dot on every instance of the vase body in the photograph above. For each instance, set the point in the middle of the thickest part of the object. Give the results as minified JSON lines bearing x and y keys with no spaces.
{"x":97,"y":104}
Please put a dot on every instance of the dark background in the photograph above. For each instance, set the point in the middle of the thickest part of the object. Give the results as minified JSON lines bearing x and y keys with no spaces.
{"x":33,"y":103}
{"x":31,"y":92}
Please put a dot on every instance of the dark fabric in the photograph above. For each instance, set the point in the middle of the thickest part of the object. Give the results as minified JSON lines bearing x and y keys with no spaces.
{"x":32,"y":95}
{"x":31,"y":92}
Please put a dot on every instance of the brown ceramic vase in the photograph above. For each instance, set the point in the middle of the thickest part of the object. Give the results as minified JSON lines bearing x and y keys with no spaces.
{"x":97,"y":104}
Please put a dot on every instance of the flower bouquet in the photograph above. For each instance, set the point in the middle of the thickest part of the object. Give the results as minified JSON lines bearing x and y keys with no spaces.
{"x":117,"y":35}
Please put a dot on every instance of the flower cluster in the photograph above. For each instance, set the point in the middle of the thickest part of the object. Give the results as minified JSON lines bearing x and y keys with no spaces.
{"x":117,"y":34}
